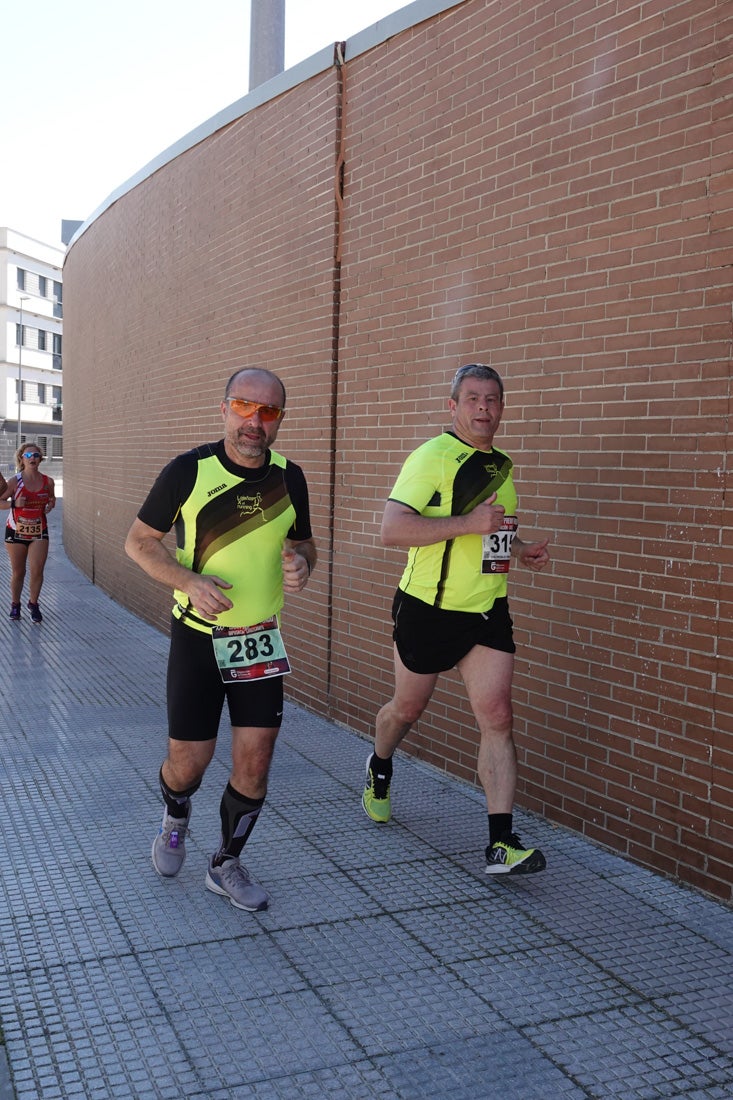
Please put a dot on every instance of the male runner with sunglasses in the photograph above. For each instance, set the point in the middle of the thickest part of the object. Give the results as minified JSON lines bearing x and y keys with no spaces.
{"x":453,"y":508}
{"x":243,"y":535}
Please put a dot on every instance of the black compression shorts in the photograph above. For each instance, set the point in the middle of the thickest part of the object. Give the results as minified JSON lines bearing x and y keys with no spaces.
{"x":429,"y":639}
{"x":196,"y":691}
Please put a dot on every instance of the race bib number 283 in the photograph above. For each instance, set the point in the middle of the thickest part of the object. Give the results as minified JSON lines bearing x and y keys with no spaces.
{"x":250,"y":652}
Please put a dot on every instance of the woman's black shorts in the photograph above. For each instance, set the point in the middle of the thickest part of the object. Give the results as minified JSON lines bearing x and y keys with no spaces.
{"x":429,"y":639}
{"x":11,"y":535}
{"x":196,"y":691}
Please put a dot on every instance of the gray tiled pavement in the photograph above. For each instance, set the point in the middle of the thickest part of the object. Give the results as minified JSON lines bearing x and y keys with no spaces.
{"x":387,"y":966}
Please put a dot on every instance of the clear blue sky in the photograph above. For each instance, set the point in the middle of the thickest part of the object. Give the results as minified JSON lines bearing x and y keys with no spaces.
{"x":92,"y":91}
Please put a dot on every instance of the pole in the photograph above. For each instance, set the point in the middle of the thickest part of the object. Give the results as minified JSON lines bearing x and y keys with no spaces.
{"x":23,"y":298}
{"x":266,"y":40}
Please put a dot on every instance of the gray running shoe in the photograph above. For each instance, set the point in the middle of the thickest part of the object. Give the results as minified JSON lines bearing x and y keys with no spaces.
{"x":169,"y":846}
{"x":233,"y":881}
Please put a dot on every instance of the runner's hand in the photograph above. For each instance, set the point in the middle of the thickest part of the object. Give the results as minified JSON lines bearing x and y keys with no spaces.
{"x":206,"y":596}
{"x":486,"y":518}
{"x":295,"y":571}
{"x":534,"y":555}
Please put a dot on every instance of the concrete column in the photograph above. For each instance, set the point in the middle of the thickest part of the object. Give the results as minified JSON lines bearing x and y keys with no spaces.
{"x":266,"y":40}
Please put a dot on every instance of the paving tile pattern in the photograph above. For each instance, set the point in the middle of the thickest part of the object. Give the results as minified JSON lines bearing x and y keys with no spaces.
{"x":388,"y":964}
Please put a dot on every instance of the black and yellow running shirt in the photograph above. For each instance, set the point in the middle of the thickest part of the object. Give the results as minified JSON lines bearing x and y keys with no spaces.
{"x":231,"y":521}
{"x":447,"y":477}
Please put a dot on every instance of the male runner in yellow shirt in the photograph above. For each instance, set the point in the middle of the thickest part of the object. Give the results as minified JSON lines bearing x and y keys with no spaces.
{"x":453,"y":508}
{"x":243,"y":538}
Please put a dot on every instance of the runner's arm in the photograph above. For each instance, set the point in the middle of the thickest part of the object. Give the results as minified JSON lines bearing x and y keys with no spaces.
{"x":145,"y":546}
{"x":6,"y":494}
{"x":404,"y":527}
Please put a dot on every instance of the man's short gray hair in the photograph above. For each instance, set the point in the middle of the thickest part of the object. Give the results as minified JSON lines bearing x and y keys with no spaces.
{"x":476,"y":370}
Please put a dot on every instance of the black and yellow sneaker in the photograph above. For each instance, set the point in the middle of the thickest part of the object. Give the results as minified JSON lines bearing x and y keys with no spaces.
{"x":375,"y":799}
{"x":508,"y":857}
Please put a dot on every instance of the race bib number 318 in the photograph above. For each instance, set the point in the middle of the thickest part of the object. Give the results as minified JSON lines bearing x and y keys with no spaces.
{"x":497,"y":548}
{"x":250,"y":652}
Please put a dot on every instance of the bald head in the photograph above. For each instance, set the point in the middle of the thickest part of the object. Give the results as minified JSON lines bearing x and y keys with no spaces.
{"x":259,"y":374}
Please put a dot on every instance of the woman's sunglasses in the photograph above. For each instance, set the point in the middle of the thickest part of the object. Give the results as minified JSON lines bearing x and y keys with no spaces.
{"x":31,"y":454}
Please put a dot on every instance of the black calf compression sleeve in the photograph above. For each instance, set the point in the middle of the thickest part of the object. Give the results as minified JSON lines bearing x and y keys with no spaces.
{"x":238,"y":818}
{"x":176,"y":801}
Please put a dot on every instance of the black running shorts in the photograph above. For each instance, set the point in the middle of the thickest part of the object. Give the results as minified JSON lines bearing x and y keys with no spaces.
{"x":429,"y":639}
{"x":196,"y":691}
{"x":12,"y":536}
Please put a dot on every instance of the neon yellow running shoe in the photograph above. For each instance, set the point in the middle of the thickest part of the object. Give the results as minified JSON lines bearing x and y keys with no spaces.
{"x":508,"y":857}
{"x":375,"y":799}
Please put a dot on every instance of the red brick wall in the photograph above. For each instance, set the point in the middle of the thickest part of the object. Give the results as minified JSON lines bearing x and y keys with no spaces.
{"x":544,"y":187}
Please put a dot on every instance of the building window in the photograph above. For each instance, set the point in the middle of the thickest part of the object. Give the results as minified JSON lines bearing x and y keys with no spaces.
{"x":38,"y":285}
{"x":42,"y":387}
{"x":33,"y":337}
{"x":20,"y":335}
{"x":56,"y":392}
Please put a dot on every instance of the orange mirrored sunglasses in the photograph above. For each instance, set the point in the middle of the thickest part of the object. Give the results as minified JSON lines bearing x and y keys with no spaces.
{"x":244,"y":408}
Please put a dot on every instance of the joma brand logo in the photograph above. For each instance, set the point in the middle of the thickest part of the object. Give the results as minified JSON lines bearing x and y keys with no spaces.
{"x":216,"y":489}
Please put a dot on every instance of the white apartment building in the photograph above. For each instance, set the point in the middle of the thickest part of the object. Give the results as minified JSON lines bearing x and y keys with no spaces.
{"x":31,"y":391}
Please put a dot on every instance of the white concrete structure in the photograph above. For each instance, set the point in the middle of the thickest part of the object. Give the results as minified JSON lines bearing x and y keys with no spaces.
{"x":30,"y":345}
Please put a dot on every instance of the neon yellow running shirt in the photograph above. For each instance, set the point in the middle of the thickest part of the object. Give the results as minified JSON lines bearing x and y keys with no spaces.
{"x":231,"y":522}
{"x":447,"y":477}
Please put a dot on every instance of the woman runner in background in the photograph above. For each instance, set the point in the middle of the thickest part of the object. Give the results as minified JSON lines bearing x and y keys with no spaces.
{"x":29,"y":497}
